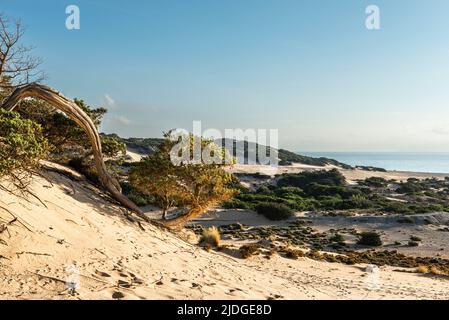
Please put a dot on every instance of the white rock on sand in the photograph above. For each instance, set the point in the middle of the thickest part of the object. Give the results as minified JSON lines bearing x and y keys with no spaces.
{"x":81,"y":240}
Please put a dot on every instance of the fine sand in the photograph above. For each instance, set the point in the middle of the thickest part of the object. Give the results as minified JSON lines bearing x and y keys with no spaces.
{"x":74,"y":237}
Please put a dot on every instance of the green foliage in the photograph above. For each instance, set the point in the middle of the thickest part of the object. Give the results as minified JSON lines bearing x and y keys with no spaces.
{"x":274,"y":211}
{"x":66,"y":138}
{"x":409,"y":188}
{"x":22,"y":144}
{"x":190,"y":185}
{"x":374,"y":182}
{"x":289,"y":192}
{"x":327,"y":190}
{"x":371,"y":168}
{"x":143,"y":145}
{"x":264,"y":190}
{"x":370,"y":238}
{"x":304,"y":179}
{"x":158,"y":177}
{"x":396,"y":207}
{"x":236,"y":204}
{"x":135,"y":196}
{"x":112,"y":147}
{"x":315,"y":190}
{"x":337,"y":238}
{"x":287,"y":157}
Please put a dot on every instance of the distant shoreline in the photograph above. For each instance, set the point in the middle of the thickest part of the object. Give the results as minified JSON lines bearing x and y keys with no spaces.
{"x":423,"y":162}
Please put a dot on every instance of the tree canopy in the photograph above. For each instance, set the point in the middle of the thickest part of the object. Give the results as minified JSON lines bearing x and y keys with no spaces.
{"x":190,"y":185}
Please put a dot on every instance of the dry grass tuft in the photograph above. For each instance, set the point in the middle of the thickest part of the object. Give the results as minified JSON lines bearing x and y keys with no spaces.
{"x":434,"y":270}
{"x":249,"y":250}
{"x":422,"y":269}
{"x":211,"y":237}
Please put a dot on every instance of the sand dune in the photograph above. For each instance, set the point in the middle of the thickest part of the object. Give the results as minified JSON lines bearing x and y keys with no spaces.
{"x":81,"y":240}
{"x":350,"y":175}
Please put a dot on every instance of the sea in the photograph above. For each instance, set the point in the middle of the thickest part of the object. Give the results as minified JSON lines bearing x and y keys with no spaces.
{"x":437,"y":162}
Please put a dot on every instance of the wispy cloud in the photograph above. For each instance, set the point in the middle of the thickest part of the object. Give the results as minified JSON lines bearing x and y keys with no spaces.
{"x":123,"y":120}
{"x":109,"y":100}
{"x":442,"y":129}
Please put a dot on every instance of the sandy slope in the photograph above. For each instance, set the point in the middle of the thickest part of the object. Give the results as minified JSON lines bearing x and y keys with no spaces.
{"x":81,"y":237}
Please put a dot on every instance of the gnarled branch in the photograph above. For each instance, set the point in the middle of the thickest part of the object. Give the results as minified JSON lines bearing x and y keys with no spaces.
{"x":75,"y":113}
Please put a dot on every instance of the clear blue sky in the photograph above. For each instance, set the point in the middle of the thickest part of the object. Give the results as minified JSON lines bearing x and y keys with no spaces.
{"x":308,"y":68}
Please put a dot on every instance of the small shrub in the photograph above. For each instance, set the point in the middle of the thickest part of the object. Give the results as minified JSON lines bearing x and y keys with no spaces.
{"x":375,"y":182}
{"x":22,"y":144}
{"x":248,"y":250}
{"x":293,"y":254}
{"x":435,"y":271}
{"x":235,"y":204}
{"x":422,"y":269}
{"x":135,"y":196}
{"x":370,"y":238}
{"x":413,"y":243}
{"x":337,"y":238}
{"x":415,"y":238}
{"x":270,"y":253}
{"x":274,"y":211}
{"x":332,"y":178}
{"x":210,"y":236}
{"x":396,"y":207}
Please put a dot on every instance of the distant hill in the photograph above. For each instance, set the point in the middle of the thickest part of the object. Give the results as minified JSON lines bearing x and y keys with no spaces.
{"x":140,"y":145}
{"x":288,"y":156}
{"x":285,"y":157}
{"x":150,"y":145}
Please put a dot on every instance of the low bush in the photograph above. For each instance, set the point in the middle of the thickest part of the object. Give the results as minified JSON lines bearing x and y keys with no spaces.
{"x":413,"y":243}
{"x":135,"y":196}
{"x":22,"y":144}
{"x":370,"y":238}
{"x":274,"y":211}
{"x":375,"y":182}
{"x":249,"y":250}
{"x":236,"y":204}
{"x":337,"y":238}
{"x":323,"y":177}
{"x":293,"y":254}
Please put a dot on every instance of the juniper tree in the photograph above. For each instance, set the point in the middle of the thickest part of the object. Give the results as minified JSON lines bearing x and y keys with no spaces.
{"x":191,"y":186}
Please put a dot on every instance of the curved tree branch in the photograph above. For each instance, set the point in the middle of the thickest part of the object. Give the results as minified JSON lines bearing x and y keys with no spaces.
{"x":75,"y":113}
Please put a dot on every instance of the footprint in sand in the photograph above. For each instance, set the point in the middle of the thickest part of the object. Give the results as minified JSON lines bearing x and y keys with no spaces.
{"x":103,"y":274}
{"x":124,"y":284}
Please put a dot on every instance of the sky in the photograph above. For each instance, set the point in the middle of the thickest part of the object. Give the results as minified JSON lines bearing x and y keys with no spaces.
{"x":308,"y":68}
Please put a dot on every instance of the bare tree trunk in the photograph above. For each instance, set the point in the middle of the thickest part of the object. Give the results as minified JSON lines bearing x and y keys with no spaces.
{"x":75,"y":113}
{"x":181,"y":220}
